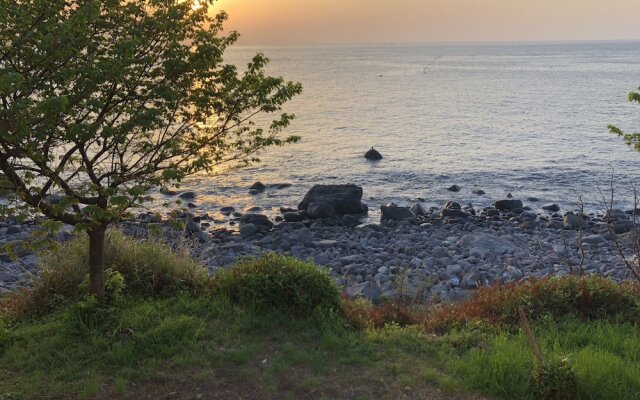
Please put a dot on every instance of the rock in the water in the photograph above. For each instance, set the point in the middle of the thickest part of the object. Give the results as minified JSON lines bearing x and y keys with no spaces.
{"x":254,"y":192}
{"x":373,"y":155}
{"x":280,"y":185}
{"x":454,"y":188}
{"x":533,"y":199}
{"x":553,"y":207}
{"x":321,"y":210}
{"x":479,"y":192}
{"x":259,"y":186}
{"x":344,"y":199}
{"x":227,"y":210}
{"x":187,"y":195}
{"x":248,"y":229}
{"x":508,"y":205}
{"x":395,"y":213}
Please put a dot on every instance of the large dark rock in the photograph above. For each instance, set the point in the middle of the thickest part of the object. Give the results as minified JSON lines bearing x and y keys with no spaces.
{"x":344,"y":199}
{"x":259,"y":186}
{"x":395,"y":213}
{"x":454,"y":188}
{"x":508,"y":205}
{"x":373,"y":155}
{"x":262,"y":222}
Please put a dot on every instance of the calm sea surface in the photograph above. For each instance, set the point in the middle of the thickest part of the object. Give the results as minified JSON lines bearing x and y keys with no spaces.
{"x":526,"y":119}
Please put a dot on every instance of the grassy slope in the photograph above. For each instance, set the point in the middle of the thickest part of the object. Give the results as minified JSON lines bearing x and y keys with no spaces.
{"x":182,"y":347}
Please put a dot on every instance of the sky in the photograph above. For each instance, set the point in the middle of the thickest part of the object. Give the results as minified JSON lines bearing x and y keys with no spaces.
{"x":286,"y":22}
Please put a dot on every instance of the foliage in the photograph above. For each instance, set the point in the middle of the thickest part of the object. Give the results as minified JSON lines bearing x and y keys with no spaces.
{"x":631,"y":139}
{"x":587,"y":297}
{"x":103,"y":99}
{"x":276,"y":282}
{"x":142,"y":268}
{"x":605,"y":357}
{"x":362,"y":314}
{"x":554,"y":379}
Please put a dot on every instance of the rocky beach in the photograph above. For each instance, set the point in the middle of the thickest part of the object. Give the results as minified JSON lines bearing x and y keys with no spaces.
{"x":435,"y":254}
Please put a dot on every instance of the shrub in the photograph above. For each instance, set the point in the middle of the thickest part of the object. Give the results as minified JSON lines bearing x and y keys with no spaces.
{"x":147,"y":268}
{"x":281,"y":283}
{"x":585,"y":297}
{"x":554,"y":380}
{"x":362,"y":314}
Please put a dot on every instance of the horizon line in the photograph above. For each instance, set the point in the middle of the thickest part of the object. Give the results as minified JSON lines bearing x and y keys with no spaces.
{"x":443,"y":43}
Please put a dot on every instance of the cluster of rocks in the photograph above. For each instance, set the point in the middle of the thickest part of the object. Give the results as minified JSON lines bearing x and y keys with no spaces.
{"x":436,"y":253}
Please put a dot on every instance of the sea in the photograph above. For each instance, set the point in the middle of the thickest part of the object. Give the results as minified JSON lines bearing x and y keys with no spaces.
{"x":529,"y":119}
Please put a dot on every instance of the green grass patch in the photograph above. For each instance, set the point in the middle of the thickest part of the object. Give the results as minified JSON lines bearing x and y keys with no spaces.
{"x":275,"y":327}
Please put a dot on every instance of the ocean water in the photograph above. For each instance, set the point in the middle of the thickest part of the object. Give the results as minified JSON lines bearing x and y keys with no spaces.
{"x":526,"y":119}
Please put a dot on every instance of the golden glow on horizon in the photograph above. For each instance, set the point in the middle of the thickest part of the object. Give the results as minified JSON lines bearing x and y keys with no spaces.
{"x":362,"y":21}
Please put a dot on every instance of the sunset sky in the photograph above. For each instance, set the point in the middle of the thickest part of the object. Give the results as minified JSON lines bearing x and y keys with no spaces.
{"x":384,"y":21}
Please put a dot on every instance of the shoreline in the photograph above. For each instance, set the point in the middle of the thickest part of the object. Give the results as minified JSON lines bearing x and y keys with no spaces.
{"x":440,"y":254}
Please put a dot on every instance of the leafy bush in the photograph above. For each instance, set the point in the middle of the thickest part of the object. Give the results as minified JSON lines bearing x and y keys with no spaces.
{"x":135,"y":267}
{"x":554,"y":380}
{"x":585,"y":297}
{"x":276,"y":282}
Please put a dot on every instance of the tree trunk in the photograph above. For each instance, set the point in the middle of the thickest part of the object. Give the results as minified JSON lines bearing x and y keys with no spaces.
{"x":96,"y":262}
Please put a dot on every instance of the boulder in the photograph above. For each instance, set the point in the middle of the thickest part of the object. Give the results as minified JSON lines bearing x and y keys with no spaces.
{"x":418,"y":210}
{"x":350,"y":220}
{"x":479,"y":192}
{"x":482,"y":245}
{"x":373,"y":155}
{"x":344,"y":199}
{"x":187,"y":195}
{"x":262,"y":222}
{"x":259,"y":186}
{"x":572,"y":221}
{"x":452,"y":205}
{"x":622,"y":226}
{"x":248,"y":229}
{"x":508,"y":205}
{"x":615,"y":215}
{"x":227,"y":210}
{"x":297,"y":216}
{"x":553,"y":207}
{"x":395,"y":213}
{"x":321,"y":210}
{"x":454,"y":188}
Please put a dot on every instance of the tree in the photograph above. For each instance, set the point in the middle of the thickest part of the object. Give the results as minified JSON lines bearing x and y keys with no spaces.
{"x":102,"y":100}
{"x":631,"y":139}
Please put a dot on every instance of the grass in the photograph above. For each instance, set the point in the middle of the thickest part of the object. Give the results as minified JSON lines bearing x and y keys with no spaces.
{"x":275,"y":328}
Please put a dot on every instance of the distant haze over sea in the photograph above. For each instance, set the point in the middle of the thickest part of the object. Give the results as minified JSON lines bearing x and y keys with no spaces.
{"x":530,"y":119}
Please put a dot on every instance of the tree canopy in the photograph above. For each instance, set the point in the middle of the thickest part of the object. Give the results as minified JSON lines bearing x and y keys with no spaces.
{"x":104,"y":99}
{"x":631,"y":139}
